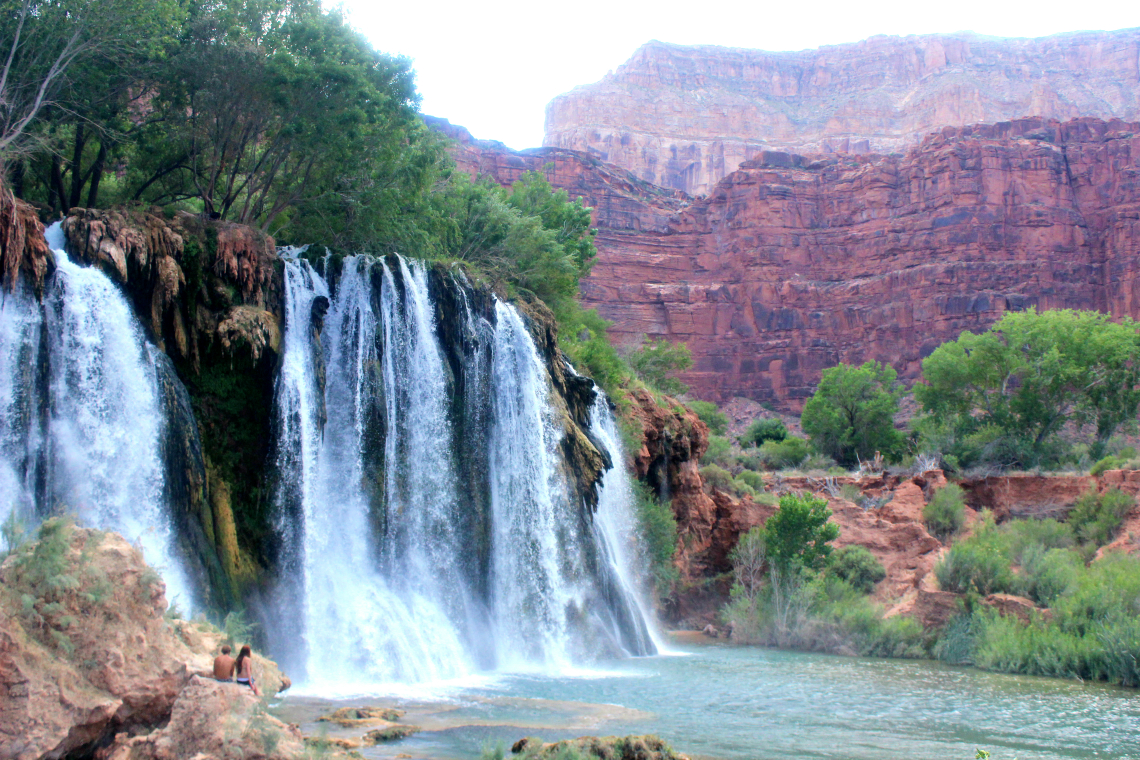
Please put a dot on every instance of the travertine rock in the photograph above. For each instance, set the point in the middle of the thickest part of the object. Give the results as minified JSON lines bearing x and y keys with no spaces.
{"x":686,"y":116}
{"x":24,"y":254}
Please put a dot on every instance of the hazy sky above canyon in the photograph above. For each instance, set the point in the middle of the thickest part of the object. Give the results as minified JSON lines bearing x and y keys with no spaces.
{"x":493,"y":66}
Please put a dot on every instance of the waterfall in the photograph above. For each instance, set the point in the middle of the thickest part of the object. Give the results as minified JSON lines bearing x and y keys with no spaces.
{"x":534,"y":529}
{"x":21,"y":410}
{"x":359,"y":625}
{"x":618,"y":532}
{"x":429,"y":526}
{"x":82,"y":423}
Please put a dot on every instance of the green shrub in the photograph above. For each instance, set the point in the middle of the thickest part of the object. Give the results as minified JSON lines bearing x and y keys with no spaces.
{"x":817,"y":462}
{"x":779,"y":455}
{"x":946,"y":513}
{"x":1108,"y":463}
{"x":716,"y":476}
{"x":740,"y":487}
{"x":851,"y":492}
{"x":659,"y":528}
{"x":1048,"y":573}
{"x":1095,"y":518}
{"x":764,"y":429}
{"x":800,"y":533}
{"x":719,"y":452}
{"x":753,"y":479}
{"x":979,"y":564}
{"x":656,"y":363}
{"x":857,"y":566}
{"x":711,"y":415}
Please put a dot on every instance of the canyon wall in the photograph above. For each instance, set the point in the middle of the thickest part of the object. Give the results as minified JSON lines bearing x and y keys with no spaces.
{"x":793,"y":264}
{"x":686,"y":116}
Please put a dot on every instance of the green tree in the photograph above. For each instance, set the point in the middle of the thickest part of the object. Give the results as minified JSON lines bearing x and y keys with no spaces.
{"x":764,"y":429}
{"x":851,"y":415}
{"x":799,"y":534}
{"x":711,"y":415}
{"x":657,"y":360}
{"x":1027,"y":376}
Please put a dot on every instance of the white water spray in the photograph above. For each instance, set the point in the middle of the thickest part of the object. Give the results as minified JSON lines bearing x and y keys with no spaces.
{"x":104,"y":418}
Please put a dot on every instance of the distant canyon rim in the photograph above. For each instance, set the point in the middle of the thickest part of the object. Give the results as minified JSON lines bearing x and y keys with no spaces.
{"x":784,"y":212}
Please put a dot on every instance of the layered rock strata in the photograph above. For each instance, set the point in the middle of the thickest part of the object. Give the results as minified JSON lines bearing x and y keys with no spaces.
{"x":793,"y":264}
{"x":686,"y":116}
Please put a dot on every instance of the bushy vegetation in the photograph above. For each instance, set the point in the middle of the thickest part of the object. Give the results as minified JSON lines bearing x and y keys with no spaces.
{"x":858,"y":567}
{"x":659,"y":530}
{"x":946,"y":513}
{"x":711,"y":415}
{"x":49,"y":584}
{"x":1003,"y":397}
{"x":1091,"y":633}
{"x":791,"y":591}
{"x":782,"y":454}
{"x":851,"y":416}
{"x":656,"y":362}
{"x":762,"y":430}
{"x":719,"y":452}
{"x":1097,"y":517}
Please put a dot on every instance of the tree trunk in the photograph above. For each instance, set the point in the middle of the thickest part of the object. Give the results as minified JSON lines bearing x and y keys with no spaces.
{"x":97,"y":175}
{"x":59,"y":195}
{"x":77,"y":167}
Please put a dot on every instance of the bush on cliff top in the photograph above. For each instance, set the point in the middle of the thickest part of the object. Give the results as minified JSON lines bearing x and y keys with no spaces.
{"x":946,"y":513}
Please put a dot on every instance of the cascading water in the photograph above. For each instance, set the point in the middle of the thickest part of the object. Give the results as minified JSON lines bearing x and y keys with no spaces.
{"x":379,"y":631}
{"x":80,"y":417}
{"x":617,"y":532}
{"x":428,"y":526}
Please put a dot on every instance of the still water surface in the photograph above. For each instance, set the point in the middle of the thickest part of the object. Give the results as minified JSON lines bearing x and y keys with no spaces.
{"x":735,"y":703}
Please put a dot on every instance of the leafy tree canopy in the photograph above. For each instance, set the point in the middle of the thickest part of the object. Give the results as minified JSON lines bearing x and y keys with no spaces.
{"x":657,"y":361}
{"x":851,"y":415}
{"x":800,"y":532}
{"x":1012,"y":388}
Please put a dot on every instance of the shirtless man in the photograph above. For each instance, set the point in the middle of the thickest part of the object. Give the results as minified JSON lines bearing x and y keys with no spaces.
{"x":224,"y":665}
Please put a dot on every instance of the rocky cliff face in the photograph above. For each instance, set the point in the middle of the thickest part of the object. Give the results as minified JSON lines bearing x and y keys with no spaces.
{"x":793,"y":264}
{"x":86,"y":657}
{"x":684,"y":117}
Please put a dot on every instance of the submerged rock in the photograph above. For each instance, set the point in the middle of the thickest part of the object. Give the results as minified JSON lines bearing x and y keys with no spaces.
{"x":647,"y":747}
{"x":389,"y":734}
{"x":350,"y":717}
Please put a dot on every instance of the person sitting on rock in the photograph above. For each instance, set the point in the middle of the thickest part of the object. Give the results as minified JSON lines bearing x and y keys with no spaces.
{"x":224,"y":665}
{"x":244,"y":667}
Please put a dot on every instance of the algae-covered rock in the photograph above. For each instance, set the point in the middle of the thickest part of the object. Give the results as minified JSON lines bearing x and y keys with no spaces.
{"x":647,"y":747}
{"x":389,"y":734}
{"x":350,"y":717}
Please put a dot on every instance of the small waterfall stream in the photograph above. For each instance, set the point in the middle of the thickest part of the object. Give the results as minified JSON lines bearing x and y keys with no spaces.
{"x":429,"y":528}
{"x":80,"y":416}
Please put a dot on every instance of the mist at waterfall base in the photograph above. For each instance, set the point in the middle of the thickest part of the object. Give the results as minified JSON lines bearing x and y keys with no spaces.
{"x":81,"y":418}
{"x":429,"y":527}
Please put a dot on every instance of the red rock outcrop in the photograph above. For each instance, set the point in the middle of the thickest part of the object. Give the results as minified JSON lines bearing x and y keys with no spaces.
{"x":686,"y":116}
{"x":92,"y":655}
{"x":793,"y":264}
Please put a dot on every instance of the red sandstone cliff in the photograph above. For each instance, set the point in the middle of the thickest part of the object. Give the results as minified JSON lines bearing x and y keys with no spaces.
{"x":793,"y":264}
{"x":686,"y":116}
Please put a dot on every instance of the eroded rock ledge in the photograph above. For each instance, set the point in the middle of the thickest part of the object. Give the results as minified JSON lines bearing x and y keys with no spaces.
{"x":89,"y":664}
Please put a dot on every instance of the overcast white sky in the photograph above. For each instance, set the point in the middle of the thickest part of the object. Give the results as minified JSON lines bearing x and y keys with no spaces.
{"x":493,"y":66}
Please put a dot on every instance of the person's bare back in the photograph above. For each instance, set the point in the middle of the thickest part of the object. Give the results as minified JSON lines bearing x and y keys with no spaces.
{"x":224,"y":665}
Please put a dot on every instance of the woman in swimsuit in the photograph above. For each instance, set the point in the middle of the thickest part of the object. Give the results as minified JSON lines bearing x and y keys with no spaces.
{"x":244,"y":669}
